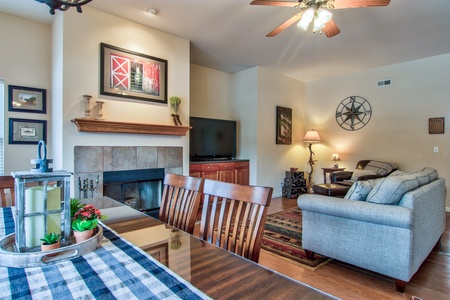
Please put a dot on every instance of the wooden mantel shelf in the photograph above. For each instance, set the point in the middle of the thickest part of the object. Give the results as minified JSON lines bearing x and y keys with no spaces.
{"x":88,"y":125}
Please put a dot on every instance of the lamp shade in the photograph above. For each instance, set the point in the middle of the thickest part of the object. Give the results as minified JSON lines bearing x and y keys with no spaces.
{"x":335,"y":157}
{"x":311,"y":136}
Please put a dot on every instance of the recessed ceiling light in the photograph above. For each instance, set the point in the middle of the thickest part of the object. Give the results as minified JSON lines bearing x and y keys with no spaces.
{"x":153,"y":11}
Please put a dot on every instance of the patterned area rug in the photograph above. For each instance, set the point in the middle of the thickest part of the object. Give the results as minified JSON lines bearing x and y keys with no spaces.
{"x":283,"y":236}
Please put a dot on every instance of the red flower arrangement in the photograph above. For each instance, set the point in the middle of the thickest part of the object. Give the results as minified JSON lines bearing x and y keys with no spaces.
{"x":86,"y":218}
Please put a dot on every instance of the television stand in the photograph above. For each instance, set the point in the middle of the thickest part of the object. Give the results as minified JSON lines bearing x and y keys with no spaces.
{"x":232,"y":170}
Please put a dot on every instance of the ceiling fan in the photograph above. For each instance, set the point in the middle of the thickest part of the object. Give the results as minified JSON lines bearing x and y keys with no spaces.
{"x":316,"y":12}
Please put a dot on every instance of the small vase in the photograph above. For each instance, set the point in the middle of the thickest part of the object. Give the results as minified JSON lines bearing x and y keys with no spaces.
{"x":81,"y":236}
{"x":45,"y":247}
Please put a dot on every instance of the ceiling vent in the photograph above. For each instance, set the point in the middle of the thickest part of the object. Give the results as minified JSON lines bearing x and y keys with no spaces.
{"x":385,"y":82}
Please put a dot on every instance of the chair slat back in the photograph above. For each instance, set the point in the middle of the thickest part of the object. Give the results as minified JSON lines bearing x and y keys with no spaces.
{"x":180,"y":201}
{"x":7,"y":193}
{"x":233,"y":216}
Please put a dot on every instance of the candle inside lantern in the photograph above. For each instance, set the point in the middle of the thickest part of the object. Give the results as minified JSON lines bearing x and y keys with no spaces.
{"x":34,"y":203}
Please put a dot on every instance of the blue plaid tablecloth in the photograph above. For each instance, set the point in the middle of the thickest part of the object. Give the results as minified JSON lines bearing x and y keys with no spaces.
{"x":116,"y":270}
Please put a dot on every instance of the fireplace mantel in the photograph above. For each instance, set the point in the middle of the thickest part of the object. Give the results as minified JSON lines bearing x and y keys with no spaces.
{"x":90,"y":125}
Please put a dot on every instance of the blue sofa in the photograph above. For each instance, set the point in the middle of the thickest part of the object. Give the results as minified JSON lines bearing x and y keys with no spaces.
{"x":385,"y":235}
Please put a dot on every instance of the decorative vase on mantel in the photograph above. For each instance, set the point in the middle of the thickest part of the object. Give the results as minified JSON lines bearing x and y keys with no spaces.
{"x":81,"y":236}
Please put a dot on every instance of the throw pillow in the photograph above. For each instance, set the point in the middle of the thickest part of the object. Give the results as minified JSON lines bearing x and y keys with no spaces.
{"x":361,"y":189}
{"x":380,"y":167}
{"x":389,"y":190}
{"x":358,"y":173}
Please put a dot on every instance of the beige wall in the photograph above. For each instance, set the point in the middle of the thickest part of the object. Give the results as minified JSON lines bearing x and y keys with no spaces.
{"x":64,"y":59}
{"x":25,"y":56}
{"x":78,"y":45}
{"x":398,"y":129}
{"x":255,"y":93}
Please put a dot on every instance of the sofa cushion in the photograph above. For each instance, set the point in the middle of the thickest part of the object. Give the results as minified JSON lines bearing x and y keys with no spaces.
{"x":432,"y":173}
{"x":422,"y":177}
{"x":397,"y":173}
{"x":380,"y":167}
{"x":358,"y":173}
{"x":360,"y":189}
{"x":389,"y":190}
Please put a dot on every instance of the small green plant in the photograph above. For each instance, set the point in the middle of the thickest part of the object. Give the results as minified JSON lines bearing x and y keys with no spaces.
{"x":75,"y":205}
{"x":50,"y":238}
{"x":83,"y":225}
{"x":174,"y":100}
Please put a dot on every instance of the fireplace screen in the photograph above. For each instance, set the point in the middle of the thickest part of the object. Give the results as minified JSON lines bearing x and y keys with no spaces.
{"x":139,"y":189}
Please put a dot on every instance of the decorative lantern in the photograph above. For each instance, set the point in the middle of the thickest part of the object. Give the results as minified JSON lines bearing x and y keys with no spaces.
{"x":42,"y":204}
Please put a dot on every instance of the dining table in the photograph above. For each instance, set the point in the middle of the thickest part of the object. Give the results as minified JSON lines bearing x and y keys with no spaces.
{"x":144,"y":248}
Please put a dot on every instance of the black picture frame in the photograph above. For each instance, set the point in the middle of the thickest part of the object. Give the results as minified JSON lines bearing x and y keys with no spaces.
{"x":27,"y":99}
{"x":132,"y":75}
{"x":284,"y":126}
{"x":27,"y":131}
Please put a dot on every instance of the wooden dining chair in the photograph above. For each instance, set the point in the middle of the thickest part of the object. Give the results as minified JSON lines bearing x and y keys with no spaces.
{"x":7,"y":193}
{"x":233,"y":216}
{"x":180,"y":201}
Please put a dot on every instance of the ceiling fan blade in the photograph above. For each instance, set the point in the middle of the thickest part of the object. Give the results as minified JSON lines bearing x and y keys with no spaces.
{"x":275,"y":3}
{"x":331,"y":29}
{"x":285,"y":25}
{"x":359,"y":3}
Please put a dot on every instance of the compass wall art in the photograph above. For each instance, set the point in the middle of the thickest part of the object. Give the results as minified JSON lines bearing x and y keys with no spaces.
{"x":353,"y":113}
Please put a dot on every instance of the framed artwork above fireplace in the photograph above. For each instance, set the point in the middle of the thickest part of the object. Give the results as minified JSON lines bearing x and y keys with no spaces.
{"x":129,"y":74}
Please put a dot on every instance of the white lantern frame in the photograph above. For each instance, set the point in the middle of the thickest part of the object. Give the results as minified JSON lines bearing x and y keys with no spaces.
{"x":24,"y":180}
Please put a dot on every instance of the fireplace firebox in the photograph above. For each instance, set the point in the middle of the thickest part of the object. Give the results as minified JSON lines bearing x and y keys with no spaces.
{"x":139,"y":189}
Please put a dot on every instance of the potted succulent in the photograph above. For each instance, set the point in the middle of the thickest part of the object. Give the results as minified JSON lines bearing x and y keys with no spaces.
{"x":50,"y":242}
{"x":84,"y":221}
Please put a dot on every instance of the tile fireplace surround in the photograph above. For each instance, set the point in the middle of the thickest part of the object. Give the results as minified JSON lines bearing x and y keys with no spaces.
{"x":92,"y":161}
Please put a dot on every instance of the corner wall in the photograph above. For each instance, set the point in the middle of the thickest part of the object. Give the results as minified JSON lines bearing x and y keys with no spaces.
{"x":25,"y":57}
{"x":398,"y":129}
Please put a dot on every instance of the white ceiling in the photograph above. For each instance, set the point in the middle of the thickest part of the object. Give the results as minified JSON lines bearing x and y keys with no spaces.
{"x":230,"y":35}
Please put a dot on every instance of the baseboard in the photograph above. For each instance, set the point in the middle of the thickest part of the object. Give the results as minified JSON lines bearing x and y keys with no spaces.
{"x":277,"y":195}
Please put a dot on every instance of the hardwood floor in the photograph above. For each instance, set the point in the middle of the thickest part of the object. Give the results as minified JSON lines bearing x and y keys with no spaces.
{"x":432,"y":280}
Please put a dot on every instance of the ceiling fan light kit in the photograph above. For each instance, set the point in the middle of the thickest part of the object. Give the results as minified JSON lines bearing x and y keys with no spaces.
{"x":316,"y":10}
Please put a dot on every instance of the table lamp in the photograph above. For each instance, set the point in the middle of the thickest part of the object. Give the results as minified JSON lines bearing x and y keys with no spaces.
{"x":311,"y":137}
{"x":335,"y":158}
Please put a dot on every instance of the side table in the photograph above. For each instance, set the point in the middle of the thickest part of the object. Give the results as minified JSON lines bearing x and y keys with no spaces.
{"x":329,"y":170}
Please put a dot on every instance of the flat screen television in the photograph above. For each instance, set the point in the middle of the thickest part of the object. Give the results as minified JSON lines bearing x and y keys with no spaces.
{"x":212,"y":139}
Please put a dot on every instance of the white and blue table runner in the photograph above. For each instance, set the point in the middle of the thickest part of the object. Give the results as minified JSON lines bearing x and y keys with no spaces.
{"x":115,"y":270}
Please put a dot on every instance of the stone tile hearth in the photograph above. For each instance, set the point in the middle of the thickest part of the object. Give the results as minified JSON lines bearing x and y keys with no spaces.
{"x":92,"y":161}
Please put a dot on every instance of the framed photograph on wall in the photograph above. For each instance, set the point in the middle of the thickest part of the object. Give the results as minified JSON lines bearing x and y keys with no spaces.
{"x":284,"y":125}
{"x":132,"y":75}
{"x":27,"y":99}
{"x":436,"y":125}
{"x":27,"y":131}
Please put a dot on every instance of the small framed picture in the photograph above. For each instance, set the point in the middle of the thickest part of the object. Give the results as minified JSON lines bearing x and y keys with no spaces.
{"x":436,"y":125}
{"x":26,"y":131}
{"x":27,"y":99}
{"x":284,"y":125}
